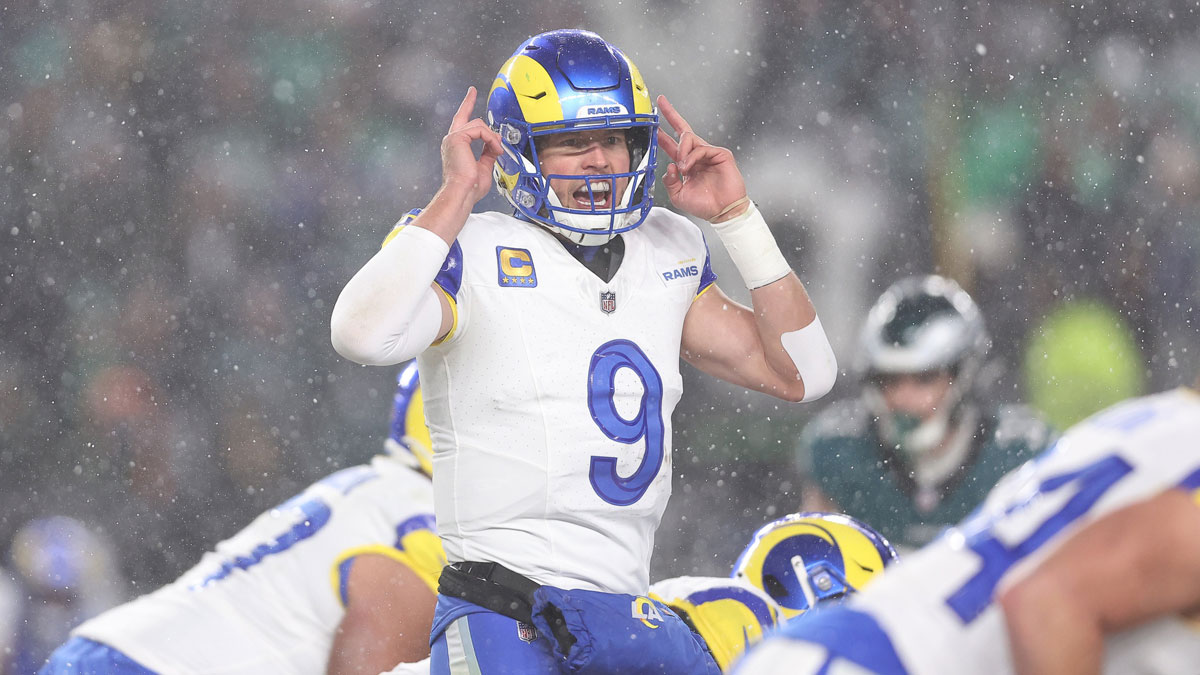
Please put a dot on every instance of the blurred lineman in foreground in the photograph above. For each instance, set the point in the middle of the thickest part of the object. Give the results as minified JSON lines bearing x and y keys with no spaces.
{"x":1083,"y":559}
{"x":338,"y":579}
{"x":920,"y":446}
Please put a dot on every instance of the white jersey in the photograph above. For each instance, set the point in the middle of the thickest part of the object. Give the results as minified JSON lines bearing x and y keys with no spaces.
{"x":550,"y":401}
{"x":269,"y":599}
{"x":934,"y":611}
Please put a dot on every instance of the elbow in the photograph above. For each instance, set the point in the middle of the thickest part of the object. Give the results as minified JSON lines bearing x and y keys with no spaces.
{"x":819,"y":381}
{"x":814,"y":360}
{"x":348,"y":338}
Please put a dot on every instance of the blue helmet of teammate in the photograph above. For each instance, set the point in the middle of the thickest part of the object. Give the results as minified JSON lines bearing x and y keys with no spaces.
{"x":409,"y":435}
{"x":805,"y":559}
{"x":569,"y":81}
{"x":58,"y":556}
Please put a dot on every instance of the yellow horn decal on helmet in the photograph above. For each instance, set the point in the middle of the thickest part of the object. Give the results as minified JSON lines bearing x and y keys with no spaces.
{"x":535,"y":90}
{"x":641,"y":95}
{"x":417,"y":432}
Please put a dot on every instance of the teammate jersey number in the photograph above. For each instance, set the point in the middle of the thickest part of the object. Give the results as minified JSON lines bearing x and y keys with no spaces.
{"x":1085,"y":487}
{"x":307,"y":514}
{"x":647,"y":424}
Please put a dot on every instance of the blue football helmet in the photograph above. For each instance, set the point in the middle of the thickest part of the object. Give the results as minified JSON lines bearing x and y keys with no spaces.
{"x":570,"y":81}
{"x":409,"y":436}
{"x":58,"y":556}
{"x":805,"y":559}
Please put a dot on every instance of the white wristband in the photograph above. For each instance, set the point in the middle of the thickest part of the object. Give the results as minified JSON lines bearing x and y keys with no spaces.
{"x":813,"y":356}
{"x":753,"y":248}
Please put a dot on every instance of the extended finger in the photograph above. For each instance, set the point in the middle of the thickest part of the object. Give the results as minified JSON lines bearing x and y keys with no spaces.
{"x":687,"y":143}
{"x":464,"y":109}
{"x":676,"y":120}
{"x":474,"y":129}
{"x":668,"y":144}
{"x":703,"y":153}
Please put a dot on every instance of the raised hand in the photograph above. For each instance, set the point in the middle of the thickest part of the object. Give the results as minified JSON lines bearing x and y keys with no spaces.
{"x":702,"y":180}
{"x":460,"y":167}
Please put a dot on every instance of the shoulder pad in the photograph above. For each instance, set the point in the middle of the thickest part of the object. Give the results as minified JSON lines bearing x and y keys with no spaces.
{"x":1017,"y":423}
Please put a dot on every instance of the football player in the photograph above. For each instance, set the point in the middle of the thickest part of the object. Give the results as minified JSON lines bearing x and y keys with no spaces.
{"x":919,"y":447}
{"x":549,"y":339}
{"x":64,"y":572}
{"x":804,"y":560}
{"x":1085,"y":558}
{"x":342,"y":576}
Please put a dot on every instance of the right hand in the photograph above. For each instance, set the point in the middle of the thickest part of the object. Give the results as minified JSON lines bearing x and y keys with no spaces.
{"x":460,"y":168}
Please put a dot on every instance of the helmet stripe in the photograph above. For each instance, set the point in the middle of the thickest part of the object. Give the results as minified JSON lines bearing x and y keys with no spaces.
{"x":641,"y":95}
{"x":533,"y":87}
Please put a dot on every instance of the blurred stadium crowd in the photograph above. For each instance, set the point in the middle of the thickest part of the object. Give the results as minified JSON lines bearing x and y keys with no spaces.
{"x":188,"y":184}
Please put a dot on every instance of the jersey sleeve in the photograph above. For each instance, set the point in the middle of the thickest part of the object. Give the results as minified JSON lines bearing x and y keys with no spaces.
{"x":448,"y":279}
{"x":708,"y":278}
{"x":1191,"y":485}
{"x":417,"y":547}
{"x":449,"y":282}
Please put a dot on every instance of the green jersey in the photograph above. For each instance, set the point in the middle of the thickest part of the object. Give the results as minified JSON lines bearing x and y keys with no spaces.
{"x":840,"y":452}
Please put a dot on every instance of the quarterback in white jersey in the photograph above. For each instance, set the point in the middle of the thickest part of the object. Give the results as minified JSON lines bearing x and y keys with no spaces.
{"x":1094,"y":539}
{"x":549,"y":340}
{"x":281,"y":595}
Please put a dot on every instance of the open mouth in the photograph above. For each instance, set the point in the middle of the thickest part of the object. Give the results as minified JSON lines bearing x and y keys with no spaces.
{"x":600,"y":195}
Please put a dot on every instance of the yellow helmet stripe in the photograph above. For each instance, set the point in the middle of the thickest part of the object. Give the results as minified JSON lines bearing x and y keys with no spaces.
{"x":641,"y":95}
{"x":533,"y":88}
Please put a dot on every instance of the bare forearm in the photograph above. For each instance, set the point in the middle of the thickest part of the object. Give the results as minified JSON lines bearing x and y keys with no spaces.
{"x":1050,"y":633}
{"x":781,"y":307}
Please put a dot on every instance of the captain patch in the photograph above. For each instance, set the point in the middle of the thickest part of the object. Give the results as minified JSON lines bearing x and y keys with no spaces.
{"x":515,"y":267}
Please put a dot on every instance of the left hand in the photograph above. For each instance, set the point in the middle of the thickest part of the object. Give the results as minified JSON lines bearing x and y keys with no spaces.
{"x":702,"y":179}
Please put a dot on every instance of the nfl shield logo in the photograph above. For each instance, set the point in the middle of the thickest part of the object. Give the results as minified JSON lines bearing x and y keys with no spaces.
{"x":526,"y":632}
{"x":608,"y":302}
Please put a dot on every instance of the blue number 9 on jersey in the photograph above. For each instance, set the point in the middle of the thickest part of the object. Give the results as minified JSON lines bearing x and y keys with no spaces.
{"x":610,"y":358}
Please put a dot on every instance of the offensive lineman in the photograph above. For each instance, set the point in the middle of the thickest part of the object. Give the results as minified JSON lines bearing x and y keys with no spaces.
{"x":1085,"y":558}
{"x":339,"y":579}
{"x":549,"y":341}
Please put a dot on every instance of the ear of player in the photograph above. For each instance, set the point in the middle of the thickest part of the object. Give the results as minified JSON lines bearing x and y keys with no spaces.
{"x":567,"y":81}
{"x":805,"y":559}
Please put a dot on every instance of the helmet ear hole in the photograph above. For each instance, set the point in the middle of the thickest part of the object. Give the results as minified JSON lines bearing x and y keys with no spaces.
{"x":774,"y":587}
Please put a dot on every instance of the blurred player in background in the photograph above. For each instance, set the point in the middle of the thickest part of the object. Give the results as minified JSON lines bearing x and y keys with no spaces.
{"x":549,"y":340}
{"x":338,"y":579}
{"x":63,"y":573}
{"x":1085,"y":558}
{"x":919,"y":447}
